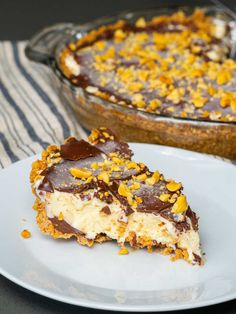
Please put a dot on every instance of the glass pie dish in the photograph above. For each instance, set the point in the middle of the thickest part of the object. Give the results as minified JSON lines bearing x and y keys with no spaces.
{"x":129,"y":123}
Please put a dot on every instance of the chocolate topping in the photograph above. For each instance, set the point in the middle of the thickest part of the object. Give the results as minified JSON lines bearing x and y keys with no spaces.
{"x":114,"y":189}
{"x":115,"y":146}
{"x":193,"y":218}
{"x":63,"y":226}
{"x":106,"y":210}
{"x":46,"y":185}
{"x":75,"y":150}
{"x":173,"y":61}
{"x":107,"y":142}
{"x":144,"y":195}
{"x":59,"y":178}
{"x":100,"y":194}
{"x":197,"y":259}
{"x":150,"y":201}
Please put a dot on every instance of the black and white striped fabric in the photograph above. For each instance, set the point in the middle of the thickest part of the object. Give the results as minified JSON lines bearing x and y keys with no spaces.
{"x":31,"y":114}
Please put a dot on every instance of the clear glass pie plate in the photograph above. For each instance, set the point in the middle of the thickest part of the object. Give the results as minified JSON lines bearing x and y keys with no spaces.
{"x":130,"y":124}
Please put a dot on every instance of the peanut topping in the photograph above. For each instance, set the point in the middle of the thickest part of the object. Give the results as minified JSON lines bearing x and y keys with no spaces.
{"x":119,"y":34}
{"x":133,"y":165}
{"x":94,"y":136}
{"x":138,"y":100}
{"x":166,"y":251}
{"x":173,"y":198}
{"x":142,"y":177}
{"x":154,"y":178}
{"x":233,"y":105}
{"x":223,"y":77}
{"x":100,"y":45}
{"x":94,"y":166}
{"x":117,"y":160}
{"x":140,"y":22}
{"x":25,"y":234}
{"x":60,"y":216}
{"x":123,"y":251}
{"x":164,"y":197}
{"x":225,"y":101}
{"x":80,"y":173}
{"x":199,"y":102}
{"x":150,"y":181}
{"x":154,"y":104}
{"x":173,"y":186}
{"x":115,"y":168}
{"x":135,"y":186}
{"x":138,"y":199}
{"x":157,"y":70}
{"x":124,"y":190}
{"x":103,"y":176}
{"x":180,"y":205}
{"x":211,"y":90}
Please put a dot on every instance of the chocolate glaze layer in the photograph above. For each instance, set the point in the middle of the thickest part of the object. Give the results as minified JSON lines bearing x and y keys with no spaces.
{"x":115,"y":146}
{"x":89,"y":76}
{"x":197,"y":259}
{"x":111,"y":144}
{"x":106,"y":210}
{"x":193,"y":217}
{"x":63,"y":226}
{"x":150,"y":203}
{"x":74,"y":155}
{"x":58,"y":177}
{"x":76,"y":150}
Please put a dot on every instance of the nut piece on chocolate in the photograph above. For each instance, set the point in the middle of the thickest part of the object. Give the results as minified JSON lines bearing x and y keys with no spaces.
{"x":176,"y":65}
{"x":95,"y":192}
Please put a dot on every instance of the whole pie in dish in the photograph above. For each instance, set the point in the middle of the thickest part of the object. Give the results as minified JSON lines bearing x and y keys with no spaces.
{"x":173,"y":65}
{"x":95,"y":192}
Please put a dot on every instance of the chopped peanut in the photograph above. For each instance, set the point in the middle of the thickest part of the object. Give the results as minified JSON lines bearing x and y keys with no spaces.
{"x":80,"y":173}
{"x":140,"y":22}
{"x":180,"y":205}
{"x":133,"y":165}
{"x":60,"y":216}
{"x":158,"y":71}
{"x":124,"y":190}
{"x":25,"y":234}
{"x":173,"y":186}
{"x":199,"y":102}
{"x":103,"y":176}
{"x":123,"y":251}
{"x":142,"y":177}
{"x":164,"y":197}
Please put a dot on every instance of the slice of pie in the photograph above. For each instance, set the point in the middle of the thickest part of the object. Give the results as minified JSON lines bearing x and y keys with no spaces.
{"x":95,"y":192}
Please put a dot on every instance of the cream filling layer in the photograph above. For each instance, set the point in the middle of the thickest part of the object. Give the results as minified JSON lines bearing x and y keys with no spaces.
{"x":86,"y":216}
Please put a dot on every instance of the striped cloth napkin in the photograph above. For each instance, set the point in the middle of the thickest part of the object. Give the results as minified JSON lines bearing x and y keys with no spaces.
{"x":31,"y":114}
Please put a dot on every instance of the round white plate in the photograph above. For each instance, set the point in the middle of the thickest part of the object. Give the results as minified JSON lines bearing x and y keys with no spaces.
{"x":100,"y":278}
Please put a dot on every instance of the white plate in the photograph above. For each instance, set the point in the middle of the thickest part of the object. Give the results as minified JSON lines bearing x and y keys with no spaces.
{"x":100,"y":278}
